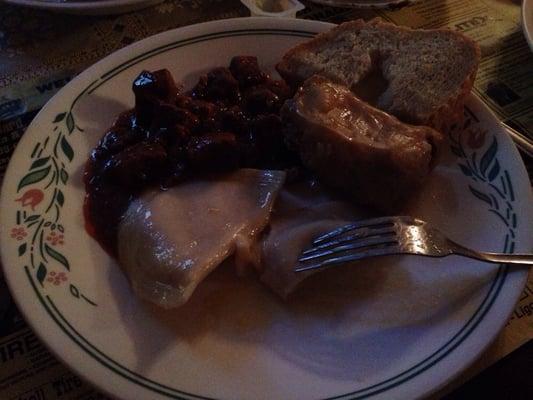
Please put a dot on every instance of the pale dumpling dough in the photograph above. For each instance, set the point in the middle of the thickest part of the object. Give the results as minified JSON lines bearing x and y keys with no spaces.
{"x":302,"y":212}
{"x":169,"y":241}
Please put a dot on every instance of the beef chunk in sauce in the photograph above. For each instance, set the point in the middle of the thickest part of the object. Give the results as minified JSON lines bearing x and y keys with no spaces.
{"x":214,"y":151}
{"x":151,"y":88}
{"x":246,"y":70}
{"x":137,"y":165}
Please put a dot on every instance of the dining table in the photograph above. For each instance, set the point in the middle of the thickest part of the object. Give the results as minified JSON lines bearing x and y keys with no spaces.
{"x":42,"y":49}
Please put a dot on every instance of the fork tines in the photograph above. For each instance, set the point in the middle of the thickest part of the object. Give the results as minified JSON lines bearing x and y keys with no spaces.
{"x":361,"y":239}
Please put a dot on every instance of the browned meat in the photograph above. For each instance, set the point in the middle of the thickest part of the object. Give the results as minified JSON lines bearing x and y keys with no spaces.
{"x":373,"y":156}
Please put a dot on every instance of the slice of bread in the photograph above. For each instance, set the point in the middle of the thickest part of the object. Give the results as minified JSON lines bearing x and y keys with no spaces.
{"x":423,"y":76}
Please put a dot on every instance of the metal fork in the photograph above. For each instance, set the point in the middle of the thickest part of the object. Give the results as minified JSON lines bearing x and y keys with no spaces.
{"x":388,"y":236}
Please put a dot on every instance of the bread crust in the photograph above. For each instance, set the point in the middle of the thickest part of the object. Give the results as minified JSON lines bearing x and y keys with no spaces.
{"x":294,"y":69}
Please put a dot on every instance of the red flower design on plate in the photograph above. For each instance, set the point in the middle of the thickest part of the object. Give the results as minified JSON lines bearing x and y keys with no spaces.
{"x":31,"y":198}
{"x":18,"y":232}
{"x":55,"y":239}
{"x":476,"y":138}
{"x":57,"y":278}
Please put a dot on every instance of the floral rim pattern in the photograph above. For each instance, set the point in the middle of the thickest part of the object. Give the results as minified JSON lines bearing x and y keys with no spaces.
{"x":477,"y":158}
{"x":40,"y":200}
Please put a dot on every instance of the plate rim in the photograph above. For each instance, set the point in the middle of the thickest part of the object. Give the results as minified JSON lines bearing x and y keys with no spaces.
{"x":182,"y":32}
{"x":92,"y":7}
{"x":369,"y":4}
{"x":527,"y":23}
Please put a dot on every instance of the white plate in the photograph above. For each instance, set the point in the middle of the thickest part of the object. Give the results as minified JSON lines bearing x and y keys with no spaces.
{"x":527,"y":21}
{"x":89,"y":7}
{"x":396,"y":328}
{"x":392,"y":4}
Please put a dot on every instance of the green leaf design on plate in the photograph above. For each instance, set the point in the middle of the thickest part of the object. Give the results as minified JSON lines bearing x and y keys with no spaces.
{"x":32,"y":218}
{"x":70,"y":123}
{"x":74,"y":291}
{"x":60,"y":198}
{"x":467,"y":171}
{"x":57,"y":256}
{"x":34,"y":177}
{"x":67,"y":149}
{"x":480,"y":195}
{"x":488,"y":156}
{"x":39,"y":163}
{"x":63,"y":175}
{"x":494,"y":171}
{"x":59,"y":117}
{"x":22,"y":249}
{"x":41,"y":273}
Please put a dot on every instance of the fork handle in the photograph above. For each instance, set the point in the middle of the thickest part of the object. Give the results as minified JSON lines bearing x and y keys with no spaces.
{"x":500,"y":258}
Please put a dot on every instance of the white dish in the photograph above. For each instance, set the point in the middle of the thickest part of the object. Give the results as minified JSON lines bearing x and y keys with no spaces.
{"x":286,"y":9}
{"x":89,"y":7}
{"x":392,"y":4}
{"x":527,"y":21}
{"x":394,"y":328}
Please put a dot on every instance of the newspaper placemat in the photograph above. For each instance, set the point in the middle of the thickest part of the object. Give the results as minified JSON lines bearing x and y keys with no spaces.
{"x":41,"y":52}
{"x":504,"y":80}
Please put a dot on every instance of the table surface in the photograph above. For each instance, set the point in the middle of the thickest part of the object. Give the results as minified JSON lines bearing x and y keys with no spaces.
{"x":41,"y":51}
